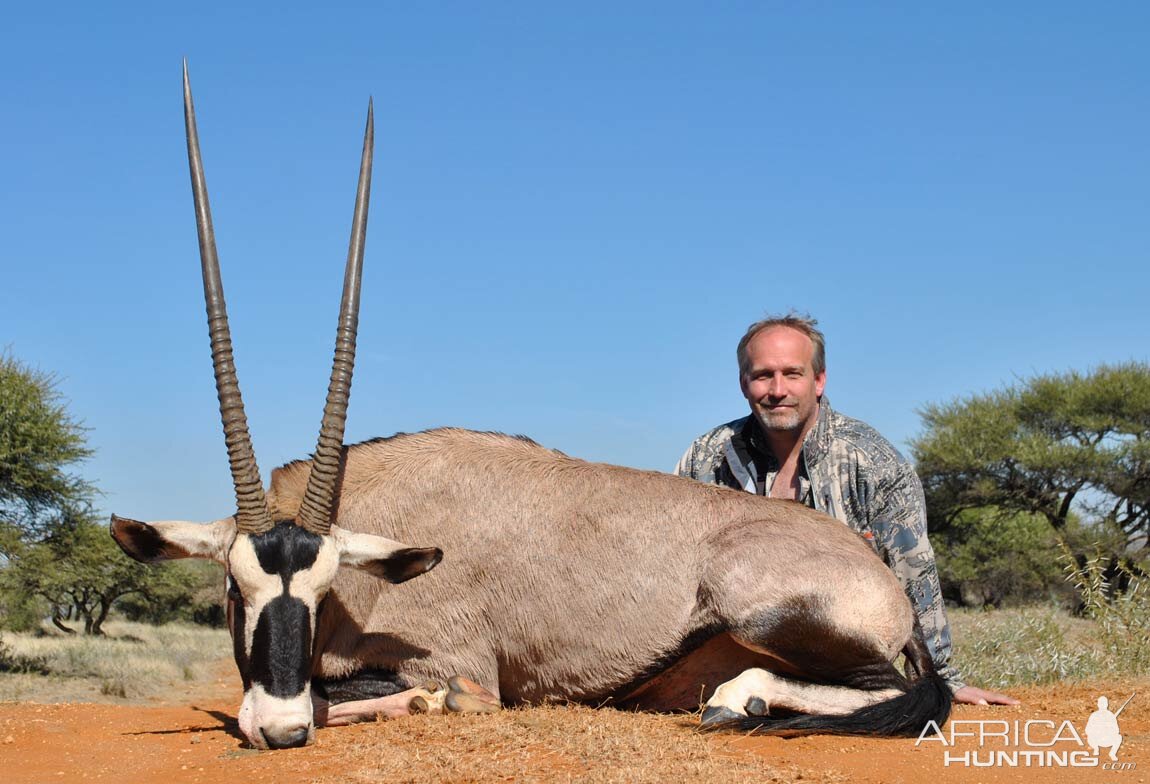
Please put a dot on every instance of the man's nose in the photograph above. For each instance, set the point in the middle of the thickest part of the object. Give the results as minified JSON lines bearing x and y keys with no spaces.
{"x":775,"y":388}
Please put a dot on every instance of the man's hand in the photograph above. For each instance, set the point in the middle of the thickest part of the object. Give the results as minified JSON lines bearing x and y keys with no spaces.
{"x":972,"y":695}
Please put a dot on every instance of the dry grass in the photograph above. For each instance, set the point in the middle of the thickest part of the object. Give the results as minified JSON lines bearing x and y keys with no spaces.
{"x":1040,"y":645}
{"x":555,"y":743}
{"x":1004,"y":648}
{"x":134,"y":661}
{"x":1035,"y":646}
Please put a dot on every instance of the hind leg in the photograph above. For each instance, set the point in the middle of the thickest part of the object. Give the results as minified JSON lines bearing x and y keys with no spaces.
{"x":687,"y":682}
{"x":817,"y":639}
{"x":757,"y":692}
{"x":849,"y":667}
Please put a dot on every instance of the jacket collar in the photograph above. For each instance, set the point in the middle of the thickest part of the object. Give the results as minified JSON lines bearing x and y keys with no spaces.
{"x":749,"y":441}
{"x":817,"y":444}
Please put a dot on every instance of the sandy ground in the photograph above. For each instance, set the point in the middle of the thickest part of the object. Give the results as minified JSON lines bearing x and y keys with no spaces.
{"x":196,"y":740}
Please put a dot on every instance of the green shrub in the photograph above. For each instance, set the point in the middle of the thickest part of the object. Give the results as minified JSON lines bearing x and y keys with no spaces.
{"x":190,"y":592}
{"x":987,"y":557}
{"x":20,"y":612}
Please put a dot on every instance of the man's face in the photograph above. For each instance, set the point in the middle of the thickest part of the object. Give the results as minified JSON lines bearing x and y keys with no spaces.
{"x":780,"y":382}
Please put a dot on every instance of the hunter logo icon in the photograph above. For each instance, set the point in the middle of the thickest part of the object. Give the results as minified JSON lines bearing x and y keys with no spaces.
{"x":1102,"y":728}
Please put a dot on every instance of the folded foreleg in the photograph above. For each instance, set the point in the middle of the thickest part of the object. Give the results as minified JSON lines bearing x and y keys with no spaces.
{"x":460,"y":695}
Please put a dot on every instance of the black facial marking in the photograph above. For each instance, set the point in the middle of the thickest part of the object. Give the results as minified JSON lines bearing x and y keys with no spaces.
{"x":281,"y":647}
{"x":236,"y":604}
{"x":280,"y":656}
{"x":286,"y":549}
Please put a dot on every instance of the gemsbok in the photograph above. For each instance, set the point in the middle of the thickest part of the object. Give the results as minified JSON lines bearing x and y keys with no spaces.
{"x":560,"y":579}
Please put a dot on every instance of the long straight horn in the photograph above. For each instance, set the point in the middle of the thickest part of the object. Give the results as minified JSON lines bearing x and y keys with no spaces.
{"x":316,"y":507}
{"x":252,"y":514}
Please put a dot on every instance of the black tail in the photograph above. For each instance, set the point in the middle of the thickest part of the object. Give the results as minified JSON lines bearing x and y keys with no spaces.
{"x":927,"y":698}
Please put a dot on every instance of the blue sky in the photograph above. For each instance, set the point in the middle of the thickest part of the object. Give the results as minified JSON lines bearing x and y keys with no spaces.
{"x":577,"y":209}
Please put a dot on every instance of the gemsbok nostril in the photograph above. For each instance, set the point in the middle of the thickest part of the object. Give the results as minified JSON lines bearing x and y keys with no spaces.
{"x":290,"y":738}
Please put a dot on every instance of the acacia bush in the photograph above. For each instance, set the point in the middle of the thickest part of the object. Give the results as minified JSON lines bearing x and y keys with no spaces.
{"x":1010,"y":474}
{"x":39,"y":443}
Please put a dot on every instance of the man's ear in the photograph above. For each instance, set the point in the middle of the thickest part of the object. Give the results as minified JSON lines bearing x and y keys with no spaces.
{"x":169,"y":539}
{"x":385,"y":558}
{"x":820,"y":383}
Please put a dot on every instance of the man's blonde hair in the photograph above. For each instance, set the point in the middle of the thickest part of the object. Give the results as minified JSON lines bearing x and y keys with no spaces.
{"x":797,"y":321}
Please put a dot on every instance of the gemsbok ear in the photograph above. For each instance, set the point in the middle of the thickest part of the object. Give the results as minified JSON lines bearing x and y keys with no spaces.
{"x":164,"y":541}
{"x":385,"y":558}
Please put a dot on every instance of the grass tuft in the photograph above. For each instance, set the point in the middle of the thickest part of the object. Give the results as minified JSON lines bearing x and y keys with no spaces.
{"x":15,"y":662}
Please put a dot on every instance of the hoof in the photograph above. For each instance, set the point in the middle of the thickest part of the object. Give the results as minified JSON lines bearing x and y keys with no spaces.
{"x":432,"y":686}
{"x":461,"y":702}
{"x":418,"y":705}
{"x":718,"y":715}
{"x":757,"y":706}
{"x":458,"y":683}
{"x":462,"y":687}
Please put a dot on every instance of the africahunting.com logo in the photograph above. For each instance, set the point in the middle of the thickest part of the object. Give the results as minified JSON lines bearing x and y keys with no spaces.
{"x":1036,"y":743}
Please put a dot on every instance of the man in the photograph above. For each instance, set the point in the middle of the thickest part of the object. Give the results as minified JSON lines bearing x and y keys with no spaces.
{"x":793,"y":446}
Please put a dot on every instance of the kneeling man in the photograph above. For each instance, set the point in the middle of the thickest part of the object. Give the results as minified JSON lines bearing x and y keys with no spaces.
{"x":794,"y":446}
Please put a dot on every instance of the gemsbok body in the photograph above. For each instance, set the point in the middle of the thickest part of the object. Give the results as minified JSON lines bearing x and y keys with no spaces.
{"x":560,"y":579}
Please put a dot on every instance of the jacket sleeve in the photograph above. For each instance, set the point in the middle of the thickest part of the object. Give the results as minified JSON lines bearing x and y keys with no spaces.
{"x":704,"y":458}
{"x":686,"y":464}
{"x":898,"y":519}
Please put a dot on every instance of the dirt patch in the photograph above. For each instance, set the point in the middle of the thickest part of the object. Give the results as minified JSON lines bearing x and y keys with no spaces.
{"x":198,"y":741}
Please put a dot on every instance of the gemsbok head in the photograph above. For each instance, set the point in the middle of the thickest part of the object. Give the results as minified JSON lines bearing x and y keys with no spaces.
{"x":278,"y":570}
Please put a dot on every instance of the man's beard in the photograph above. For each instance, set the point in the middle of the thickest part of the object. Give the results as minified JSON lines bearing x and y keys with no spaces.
{"x":784,"y":420}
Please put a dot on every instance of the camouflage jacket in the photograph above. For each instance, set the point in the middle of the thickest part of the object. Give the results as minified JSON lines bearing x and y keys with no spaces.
{"x":852,"y":473}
